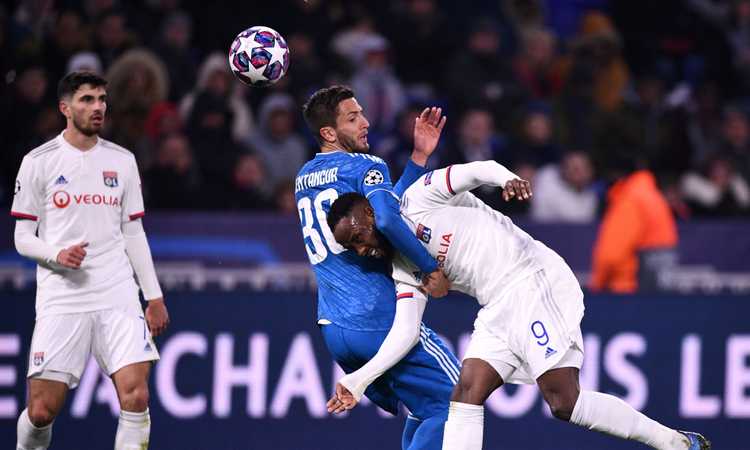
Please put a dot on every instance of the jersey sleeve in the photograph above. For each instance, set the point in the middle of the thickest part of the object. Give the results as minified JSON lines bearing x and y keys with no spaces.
{"x":132,"y":200}
{"x":412,"y":172}
{"x":407,"y":278}
{"x":28,"y":196}
{"x":375,"y":177}
{"x":448,"y":185}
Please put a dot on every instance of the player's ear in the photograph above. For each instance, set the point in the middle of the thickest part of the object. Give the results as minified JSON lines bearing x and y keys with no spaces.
{"x":328,"y":134}
{"x":64,"y":108}
{"x":369,"y":211}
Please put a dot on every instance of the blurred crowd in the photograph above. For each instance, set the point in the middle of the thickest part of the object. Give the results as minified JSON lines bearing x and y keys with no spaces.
{"x":569,"y":94}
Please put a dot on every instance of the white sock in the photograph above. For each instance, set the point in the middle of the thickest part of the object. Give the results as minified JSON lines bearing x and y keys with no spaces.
{"x":608,"y":414}
{"x":133,"y":430}
{"x":464,"y":428}
{"x":30,"y":437}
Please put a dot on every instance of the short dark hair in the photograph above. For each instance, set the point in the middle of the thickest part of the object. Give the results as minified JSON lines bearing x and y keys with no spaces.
{"x":342,"y":207}
{"x":322,"y":107}
{"x":74,"y":80}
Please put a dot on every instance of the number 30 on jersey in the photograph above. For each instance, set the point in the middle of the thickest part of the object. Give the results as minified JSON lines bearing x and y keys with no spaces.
{"x":317,"y":251}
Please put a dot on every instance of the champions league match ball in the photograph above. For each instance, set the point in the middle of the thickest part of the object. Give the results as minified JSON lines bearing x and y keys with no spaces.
{"x":259,"y":56}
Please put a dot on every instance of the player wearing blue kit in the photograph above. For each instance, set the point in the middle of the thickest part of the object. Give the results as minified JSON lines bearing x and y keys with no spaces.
{"x":356,"y":295}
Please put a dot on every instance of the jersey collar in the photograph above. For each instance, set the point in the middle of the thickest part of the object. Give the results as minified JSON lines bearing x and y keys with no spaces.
{"x":67,"y":145}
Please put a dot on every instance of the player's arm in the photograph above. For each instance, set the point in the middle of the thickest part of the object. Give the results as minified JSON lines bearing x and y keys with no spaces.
{"x":427,"y":129}
{"x":27,"y":201}
{"x":402,"y":337}
{"x":139,"y":254}
{"x":453,"y":180}
{"x":376,"y":187}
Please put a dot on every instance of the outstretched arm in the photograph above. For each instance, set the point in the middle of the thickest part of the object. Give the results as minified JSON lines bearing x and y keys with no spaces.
{"x":402,"y":337}
{"x":453,"y":180}
{"x":427,"y":129}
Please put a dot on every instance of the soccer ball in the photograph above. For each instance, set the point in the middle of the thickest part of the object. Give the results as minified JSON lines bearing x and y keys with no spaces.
{"x":259,"y":56}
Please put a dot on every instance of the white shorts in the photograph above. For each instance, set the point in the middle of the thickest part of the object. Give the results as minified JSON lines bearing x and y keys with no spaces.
{"x":62,"y":343}
{"x":533,"y":328}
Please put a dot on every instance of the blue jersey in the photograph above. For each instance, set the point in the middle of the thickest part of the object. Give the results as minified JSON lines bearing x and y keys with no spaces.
{"x":354,"y":292}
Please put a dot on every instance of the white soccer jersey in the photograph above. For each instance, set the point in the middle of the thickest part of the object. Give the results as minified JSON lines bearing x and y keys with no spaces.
{"x":80,"y":196}
{"x":480,"y":250}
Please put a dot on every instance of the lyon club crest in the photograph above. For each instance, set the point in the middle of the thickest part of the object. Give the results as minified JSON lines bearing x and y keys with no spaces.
{"x":38,"y":358}
{"x":110,"y":178}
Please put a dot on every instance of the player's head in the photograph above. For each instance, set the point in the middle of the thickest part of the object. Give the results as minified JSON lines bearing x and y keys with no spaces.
{"x":352,"y":221}
{"x":336,"y":120}
{"x":83,"y":101}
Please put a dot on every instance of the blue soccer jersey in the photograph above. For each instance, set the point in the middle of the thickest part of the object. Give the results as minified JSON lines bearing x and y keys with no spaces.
{"x":354,"y":292}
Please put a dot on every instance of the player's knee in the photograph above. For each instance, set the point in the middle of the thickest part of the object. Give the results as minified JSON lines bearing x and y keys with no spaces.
{"x":135,"y":399}
{"x":561,"y":405}
{"x":40,"y":414}
{"x":467,"y":391}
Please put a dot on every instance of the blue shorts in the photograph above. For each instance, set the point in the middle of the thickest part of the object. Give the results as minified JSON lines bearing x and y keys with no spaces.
{"x":423,"y":380}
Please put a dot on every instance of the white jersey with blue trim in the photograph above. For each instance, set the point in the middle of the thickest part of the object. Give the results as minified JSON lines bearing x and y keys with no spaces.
{"x":480,"y":250}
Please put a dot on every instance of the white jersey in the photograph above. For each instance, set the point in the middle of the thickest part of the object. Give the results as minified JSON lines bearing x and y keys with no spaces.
{"x":80,"y":196}
{"x":480,"y":250}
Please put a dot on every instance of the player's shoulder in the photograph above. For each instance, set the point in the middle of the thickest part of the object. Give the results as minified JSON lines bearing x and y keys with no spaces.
{"x":366,"y":158}
{"x":44,"y":150}
{"x":116,"y":151}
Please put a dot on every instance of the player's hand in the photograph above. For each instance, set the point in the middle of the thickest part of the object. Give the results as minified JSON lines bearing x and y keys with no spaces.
{"x":427,"y":129}
{"x":342,"y":400}
{"x":436,"y":284}
{"x":518,"y":188}
{"x":157,"y":316}
{"x":72,"y":257}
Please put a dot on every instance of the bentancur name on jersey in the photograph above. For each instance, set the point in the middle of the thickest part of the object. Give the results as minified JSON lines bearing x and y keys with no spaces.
{"x":317,"y":178}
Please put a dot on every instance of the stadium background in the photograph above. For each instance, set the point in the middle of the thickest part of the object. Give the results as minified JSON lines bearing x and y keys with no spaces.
{"x":567,"y":91}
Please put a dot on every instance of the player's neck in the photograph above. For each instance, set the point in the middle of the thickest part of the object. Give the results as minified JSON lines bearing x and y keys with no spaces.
{"x":328,"y":148}
{"x":79,"y":140}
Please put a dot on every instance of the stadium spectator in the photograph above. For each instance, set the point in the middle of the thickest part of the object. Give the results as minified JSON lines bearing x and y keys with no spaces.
{"x":173,"y":181}
{"x":286,"y":204}
{"x":564,"y":192}
{"x":735,"y":134}
{"x":137,"y":81}
{"x":309,"y":73}
{"x":423,"y":43}
{"x":396,"y":146}
{"x":717,"y":191}
{"x":249,"y":189}
{"x":479,"y":75}
{"x":535,"y":141}
{"x":281,"y":150}
{"x":637,"y":237}
{"x":20,"y":110}
{"x":178,"y":56}
{"x":68,"y":37}
{"x":84,"y":62}
{"x":536,"y":67}
{"x":378,"y":90}
{"x":216,"y":80}
{"x":596,"y":59}
{"x":113,"y":38}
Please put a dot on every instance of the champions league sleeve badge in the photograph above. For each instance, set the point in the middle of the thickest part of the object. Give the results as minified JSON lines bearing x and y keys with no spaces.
{"x":374,"y":177}
{"x":110,"y":178}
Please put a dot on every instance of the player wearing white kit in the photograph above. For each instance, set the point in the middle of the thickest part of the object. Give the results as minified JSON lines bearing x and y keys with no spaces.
{"x":78,"y":203}
{"x":528,"y":329}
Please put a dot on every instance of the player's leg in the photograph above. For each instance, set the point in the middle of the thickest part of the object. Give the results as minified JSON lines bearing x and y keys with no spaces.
{"x":465,"y":426}
{"x":134,"y":425}
{"x":123,"y":347}
{"x":428,"y":435}
{"x":607,"y":413}
{"x":59,"y":352}
{"x":423,"y":381}
{"x":46,"y":399}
